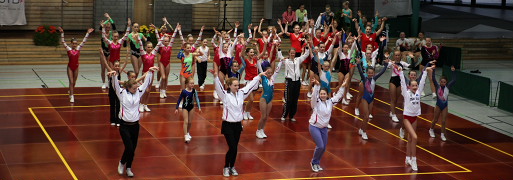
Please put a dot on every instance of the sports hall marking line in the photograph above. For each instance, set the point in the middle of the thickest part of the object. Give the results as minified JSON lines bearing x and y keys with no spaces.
{"x":404,"y":140}
{"x":89,"y":94}
{"x":375,"y":175}
{"x":455,"y":132}
{"x":366,"y":175}
{"x":53,"y":144}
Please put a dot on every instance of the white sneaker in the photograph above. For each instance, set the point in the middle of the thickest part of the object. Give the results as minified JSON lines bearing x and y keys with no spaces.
{"x":345,"y":102}
{"x":360,"y":131}
{"x":157,"y":85}
{"x":112,"y":124}
{"x":413,"y":163}
{"x":443,"y":137}
{"x":407,"y":161}
{"x":118,"y":125}
{"x":390,"y":114}
{"x":189,"y":135}
{"x":245,"y":116}
{"x":259,"y":134}
{"x":129,"y":172}
{"x":394,"y":118}
{"x":226,"y":172}
{"x":161,"y":95}
{"x":356,"y":111}
{"x":282,"y":119}
{"x":164,"y":93}
{"x":314,"y":167}
{"x":364,"y":136}
{"x":234,"y":172}
{"x":104,"y":86}
{"x":121,"y":168}
{"x":434,"y":95}
{"x":401,"y":133}
{"x":215,"y":95}
{"x":250,"y":117}
{"x":141,"y":108}
{"x":202,"y":87}
{"x":283,"y":99}
{"x":187,"y":139}
{"x":293,"y":119}
{"x":319,"y":167}
{"x":146,"y":108}
{"x":370,"y":116}
{"x":263,"y":133}
{"x":309,"y":95}
{"x":221,"y":102}
{"x":432,"y":133}
{"x":329,"y":126}
{"x":71,"y":99}
{"x":349,"y":95}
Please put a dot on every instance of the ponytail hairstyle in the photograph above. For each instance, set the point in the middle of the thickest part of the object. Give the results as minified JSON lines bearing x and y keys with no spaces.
{"x":229,"y":82}
{"x":129,"y":83}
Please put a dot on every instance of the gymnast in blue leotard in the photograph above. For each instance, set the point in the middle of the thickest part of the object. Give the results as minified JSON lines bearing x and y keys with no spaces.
{"x":442,"y":91}
{"x":369,"y":82}
{"x":266,"y":104}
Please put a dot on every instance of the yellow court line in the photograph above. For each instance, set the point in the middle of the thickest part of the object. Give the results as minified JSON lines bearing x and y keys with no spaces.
{"x":404,"y":139}
{"x":455,"y":132}
{"x":89,"y":94}
{"x":367,"y":175}
{"x":377,"y":175}
{"x":53,"y":144}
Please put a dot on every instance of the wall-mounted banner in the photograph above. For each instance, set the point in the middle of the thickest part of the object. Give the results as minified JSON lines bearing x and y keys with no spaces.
{"x":191,"y":1}
{"x":393,"y":8}
{"x":12,"y":12}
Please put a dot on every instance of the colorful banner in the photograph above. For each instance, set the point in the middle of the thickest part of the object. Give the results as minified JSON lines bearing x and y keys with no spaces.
{"x":393,"y":8}
{"x":12,"y":12}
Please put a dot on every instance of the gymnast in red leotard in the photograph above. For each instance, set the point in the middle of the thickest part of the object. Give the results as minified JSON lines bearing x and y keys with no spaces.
{"x":73,"y":55}
{"x":165,"y":51}
{"x":115,"y":43}
{"x":148,"y":58}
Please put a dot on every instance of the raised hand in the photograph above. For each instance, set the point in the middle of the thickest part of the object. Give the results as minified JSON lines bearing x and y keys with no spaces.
{"x":279,"y":21}
{"x":237,"y":24}
{"x":154,"y":68}
{"x":314,"y":81}
{"x":382,"y":38}
{"x":90,"y":30}
{"x":106,"y":15}
{"x":250,"y":25}
{"x":255,"y":28}
{"x":202,"y":27}
{"x":129,"y":22}
{"x":60,"y":29}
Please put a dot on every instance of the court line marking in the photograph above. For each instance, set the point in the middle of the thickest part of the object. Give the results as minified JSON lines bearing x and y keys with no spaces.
{"x":332,"y":177}
{"x":53,"y":144}
{"x":453,"y":131}
{"x":420,"y":117}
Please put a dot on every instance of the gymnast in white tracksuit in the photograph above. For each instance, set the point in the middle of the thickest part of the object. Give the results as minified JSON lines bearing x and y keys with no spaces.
{"x":322,"y":106}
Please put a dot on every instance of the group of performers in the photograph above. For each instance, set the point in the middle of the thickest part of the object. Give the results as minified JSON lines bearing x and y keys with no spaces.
{"x":316,"y":49}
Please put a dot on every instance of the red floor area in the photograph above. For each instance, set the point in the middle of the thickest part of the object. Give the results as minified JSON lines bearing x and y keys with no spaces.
{"x":92,"y":148}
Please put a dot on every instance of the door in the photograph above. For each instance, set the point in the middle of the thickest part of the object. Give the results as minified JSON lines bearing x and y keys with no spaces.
{"x":143,"y":12}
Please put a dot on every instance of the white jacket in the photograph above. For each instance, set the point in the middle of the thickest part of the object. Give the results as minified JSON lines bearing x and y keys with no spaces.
{"x":292,"y":67}
{"x":130,"y":102}
{"x":412,"y":100}
{"x":322,"y":109}
{"x":233,"y":102}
